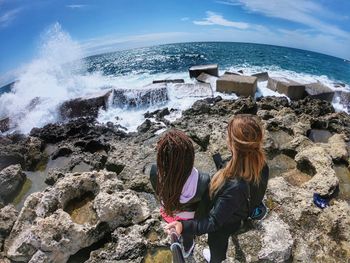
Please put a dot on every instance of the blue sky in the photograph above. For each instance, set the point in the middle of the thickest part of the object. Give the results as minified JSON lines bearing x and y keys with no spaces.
{"x":107,"y":25}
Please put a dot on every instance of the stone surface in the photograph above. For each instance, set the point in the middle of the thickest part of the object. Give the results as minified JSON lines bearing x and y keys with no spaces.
{"x":240,"y":85}
{"x":211,"y":69}
{"x":168,"y":81}
{"x":11,"y":181}
{"x":4,"y":124}
{"x":45,"y":228}
{"x":206,"y":78}
{"x":141,"y":97}
{"x":319,"y":91}
{"x":290,"y":88}
{"x":262,"y":76}
{"x":85,"y":106}
{"x":181,"y":91}
{"x":8,"y":216}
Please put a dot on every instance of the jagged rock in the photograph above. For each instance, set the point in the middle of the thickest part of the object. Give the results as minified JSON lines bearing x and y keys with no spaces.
{"x":4,"y":124}
{"x":145,"y":126}
{"x":290,"y":88}
{"x":8,"y":216}
{"x":44,"y":229}
{"x":272,"y":103}
{"x":62,"y":151}
{"x":11,"y":181}
{"x":240,"y":85}
{"x":316,"y":161}
{"x":212,"y":69}
{"x":277,"y":241}
{"x":319,"y":91}
{"x":312,"y":107}
{"x":113,"y":165}
{"x":158,"y":114}
{"x":337,"y":148}
{"x":85,"y":106}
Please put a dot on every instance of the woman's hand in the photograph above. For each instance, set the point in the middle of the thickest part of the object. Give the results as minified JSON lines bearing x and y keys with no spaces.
{"x":177,"y":225}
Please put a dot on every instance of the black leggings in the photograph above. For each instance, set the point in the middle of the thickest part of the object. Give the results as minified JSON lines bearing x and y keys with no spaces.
{"x":218,"y":243}
{"x":187,"y":240}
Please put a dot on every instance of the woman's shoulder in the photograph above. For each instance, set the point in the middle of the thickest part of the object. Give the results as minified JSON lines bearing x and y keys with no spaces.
{"x":234,"y":185}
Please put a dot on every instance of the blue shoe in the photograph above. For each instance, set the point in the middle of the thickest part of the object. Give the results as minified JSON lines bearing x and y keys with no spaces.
{"x":260,"y":212}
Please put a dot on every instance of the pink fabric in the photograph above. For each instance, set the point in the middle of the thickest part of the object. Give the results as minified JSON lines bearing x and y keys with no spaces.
{"x":170,"y":219}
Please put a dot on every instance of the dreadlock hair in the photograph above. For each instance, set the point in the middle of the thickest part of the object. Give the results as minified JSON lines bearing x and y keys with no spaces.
{"x":245,"y":139}
{"x":175,"y":158}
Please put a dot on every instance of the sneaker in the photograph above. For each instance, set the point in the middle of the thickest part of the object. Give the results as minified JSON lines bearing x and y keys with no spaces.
{"x":187,"y":253}
{"x":260,"y":212}
{"x":206,"y":254}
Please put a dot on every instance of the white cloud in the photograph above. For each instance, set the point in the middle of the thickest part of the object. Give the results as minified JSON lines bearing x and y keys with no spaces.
{"x":185,"y":19}
{"x":299,"y":11}
{"x":112,"y":43}
{"x":75,"y":6}
{"x":8,"y":17}
{"x":217,"y":19}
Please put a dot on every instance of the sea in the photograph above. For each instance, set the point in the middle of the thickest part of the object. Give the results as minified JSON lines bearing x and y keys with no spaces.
{"x":61,"y":71}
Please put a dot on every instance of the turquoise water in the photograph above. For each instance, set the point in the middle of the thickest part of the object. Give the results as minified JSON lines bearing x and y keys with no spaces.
{"x":174,"y":58}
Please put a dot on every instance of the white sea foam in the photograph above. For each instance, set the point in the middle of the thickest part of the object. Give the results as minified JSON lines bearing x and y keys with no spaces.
{"x":57,"y":74}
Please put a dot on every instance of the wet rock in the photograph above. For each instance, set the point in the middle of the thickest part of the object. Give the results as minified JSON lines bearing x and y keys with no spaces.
{"x":43,"y":222}
{"x":318,"y":135}
{"x":142,"y":97}
{"x":319,"y":91}
{"x":290,"y":88}
{"x":206,"y":78}
{"x":158,"y":114}
{"x":240,"y":85}
{"x":345,"y":99}
{"x":231,"y":73}
{"x":84,"y":107}
{"x":145,"y":126}
{"x":53,"y":176}
{"x":181,"y":91}
{"x":262,"y":76}
{"x":11,"y":181}
{"x":168,"y":81}
{"x":4,"y":124}
{"x":62,"y":151}
{"x":8,"y":216}
{"x":212,"y":69}
{"x":337,"y":148}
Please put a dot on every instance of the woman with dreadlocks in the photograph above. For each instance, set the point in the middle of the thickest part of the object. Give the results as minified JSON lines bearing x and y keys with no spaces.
{"x":182,"y":190}
{"x":235,"y":191}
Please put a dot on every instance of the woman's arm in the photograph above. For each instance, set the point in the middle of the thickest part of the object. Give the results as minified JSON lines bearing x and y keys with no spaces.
{"x":230,"y":207}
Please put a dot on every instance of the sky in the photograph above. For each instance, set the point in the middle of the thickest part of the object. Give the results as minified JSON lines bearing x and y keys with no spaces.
{"x":106,"y":25}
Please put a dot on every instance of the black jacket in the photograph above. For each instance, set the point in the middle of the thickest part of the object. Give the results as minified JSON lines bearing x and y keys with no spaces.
{"x":200,"y":202}
{"x":230,"y":206}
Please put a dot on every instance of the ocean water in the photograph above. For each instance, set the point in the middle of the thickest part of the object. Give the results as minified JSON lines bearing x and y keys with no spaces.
{"x":60,"y":72}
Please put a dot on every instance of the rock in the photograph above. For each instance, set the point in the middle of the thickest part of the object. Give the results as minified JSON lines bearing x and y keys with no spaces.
{"x":53,"y":225}
{"x":145,"y":126}
{"x":339,"y":85}
{"x":4,"y":124}
{"x":240,"y":71}
{"x":168,"y":81}
{"x":8,"y":216}
{"x":142,"y":97}
{"x":85,"y":106}
{"x":113,"y":165}
{"x":206,"y":78}
{"x":211,"y":69}
{"x":319,"y":91}
{"x":345,"y":99}
{"x":262,"y":76}
{"x":62,"y":151}
{"x":240,"y":85}
{"x":290,"y":88}
{"x":316,"y":161}
{"x":313,"y":107}
{"x":277,"y":241}
{"x":272,"y":103}
{"x":181,"y":91}
{"x":11,"y":181}
{"x":337,"y":148}
{"x":157,"y":114}
{"x":231,"y":73}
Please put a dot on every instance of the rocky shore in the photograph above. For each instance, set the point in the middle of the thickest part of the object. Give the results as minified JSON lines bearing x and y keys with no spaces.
{"x":98,"y":205}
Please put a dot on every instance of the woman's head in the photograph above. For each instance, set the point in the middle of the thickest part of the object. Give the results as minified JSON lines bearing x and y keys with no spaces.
{"x":245,"y":140}
{"x":175,"y":158}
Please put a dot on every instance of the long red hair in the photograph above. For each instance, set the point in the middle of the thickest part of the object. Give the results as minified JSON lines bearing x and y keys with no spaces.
{"x":245,"y":141}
